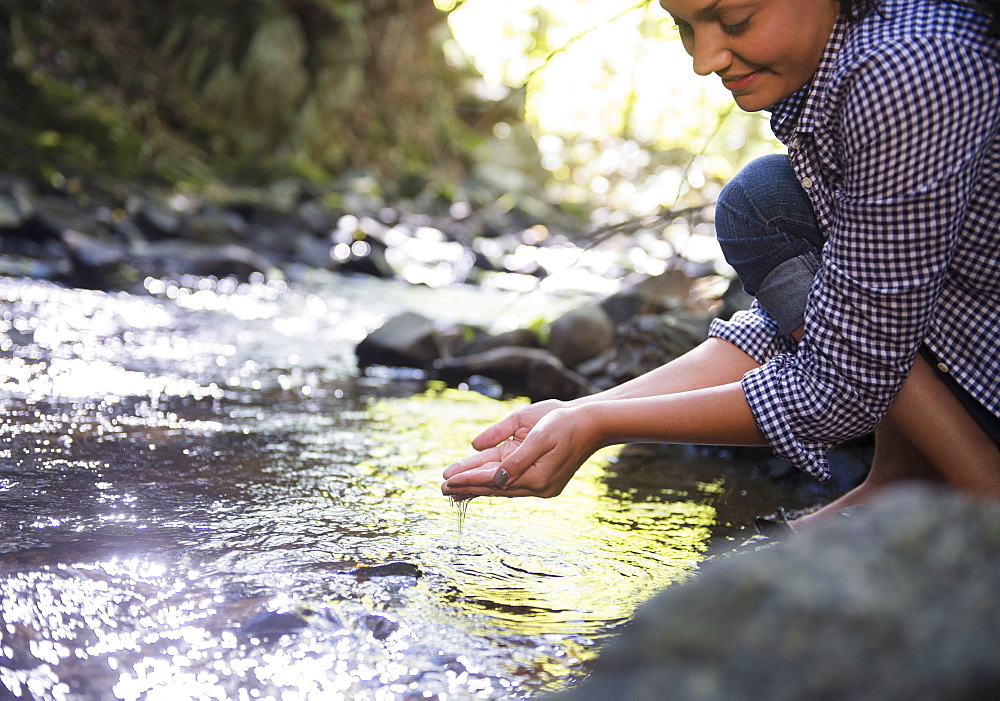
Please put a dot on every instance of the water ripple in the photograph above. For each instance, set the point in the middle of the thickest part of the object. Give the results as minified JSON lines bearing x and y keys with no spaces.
{"x":196,"y":487}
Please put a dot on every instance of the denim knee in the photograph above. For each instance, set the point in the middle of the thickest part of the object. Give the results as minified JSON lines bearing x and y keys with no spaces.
{"x":768,"y":233}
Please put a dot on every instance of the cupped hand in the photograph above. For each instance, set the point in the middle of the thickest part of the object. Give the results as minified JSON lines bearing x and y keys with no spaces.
{"x":530,"y":453}
{"x":516,"y":425}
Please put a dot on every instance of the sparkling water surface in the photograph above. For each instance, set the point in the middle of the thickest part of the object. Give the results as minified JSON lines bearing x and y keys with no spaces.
{"x":202,"y":498}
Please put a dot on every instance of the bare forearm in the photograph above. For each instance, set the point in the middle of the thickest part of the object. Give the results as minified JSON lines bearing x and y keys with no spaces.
{"x":709,"y":416}
{"x":714,"y":362}
{"x":536,"y":451}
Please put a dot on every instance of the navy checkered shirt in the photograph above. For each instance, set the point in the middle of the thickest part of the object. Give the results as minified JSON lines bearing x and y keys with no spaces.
{"x":895,"y":140}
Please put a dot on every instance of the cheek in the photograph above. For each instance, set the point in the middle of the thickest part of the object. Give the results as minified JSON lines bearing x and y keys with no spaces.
{"x":785,"y":58}
{"x":761,"y":53}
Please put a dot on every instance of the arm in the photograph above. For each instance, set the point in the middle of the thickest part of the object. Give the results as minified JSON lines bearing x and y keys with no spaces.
{"x":713,"y":362}
{"x":693,"y":399}
{"x":901,"y":204}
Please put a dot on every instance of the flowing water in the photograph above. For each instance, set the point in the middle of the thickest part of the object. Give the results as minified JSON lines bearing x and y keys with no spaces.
{"x":201,"y":498}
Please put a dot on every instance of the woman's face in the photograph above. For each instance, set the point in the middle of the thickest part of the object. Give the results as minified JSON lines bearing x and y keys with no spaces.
{"x":764,"y":50}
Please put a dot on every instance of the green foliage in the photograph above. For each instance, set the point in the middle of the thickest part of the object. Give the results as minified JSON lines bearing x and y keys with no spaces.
{"x":183,"y":90}
{"x":595,"y":81}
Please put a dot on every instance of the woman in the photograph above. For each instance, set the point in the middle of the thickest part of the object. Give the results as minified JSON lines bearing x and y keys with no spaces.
{"x":872,"y":249}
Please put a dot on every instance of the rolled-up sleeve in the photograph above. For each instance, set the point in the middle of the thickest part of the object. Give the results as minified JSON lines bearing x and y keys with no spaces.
{"x":917,"y":118}
{"x":754,"y":332}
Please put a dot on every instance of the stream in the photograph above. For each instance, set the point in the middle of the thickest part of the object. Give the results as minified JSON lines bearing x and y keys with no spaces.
{"x":202,"y":498}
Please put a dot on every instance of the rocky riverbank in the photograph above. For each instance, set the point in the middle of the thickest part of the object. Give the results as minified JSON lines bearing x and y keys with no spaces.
{"x":896,"y":603}
{"x":112,"y":240}
{"x":120,"y":240}
{"x":595,"y":346}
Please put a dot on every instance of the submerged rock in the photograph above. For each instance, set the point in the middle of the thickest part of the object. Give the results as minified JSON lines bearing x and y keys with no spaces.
{"x":379,"y":627}
{"x":899,"y":602}
{"x":271,"y":625}
{"x":387,"y":569}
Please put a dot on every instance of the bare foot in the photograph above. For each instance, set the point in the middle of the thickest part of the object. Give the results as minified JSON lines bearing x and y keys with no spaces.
{"x":862,"y":494}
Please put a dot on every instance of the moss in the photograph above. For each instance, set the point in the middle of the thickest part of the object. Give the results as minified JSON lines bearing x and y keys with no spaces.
{"x":112,"y":89}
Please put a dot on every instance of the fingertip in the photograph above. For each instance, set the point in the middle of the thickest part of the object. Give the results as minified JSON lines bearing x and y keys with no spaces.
{"x":491,"y":437}
{"x":467,"y":463}
{"x":483,"y":440}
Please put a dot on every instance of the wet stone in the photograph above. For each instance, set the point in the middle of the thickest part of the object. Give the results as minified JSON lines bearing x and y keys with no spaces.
{"x":271,"y":625}
{"x":532,"y":372}
{"x":581,"y":334}
{"x":173,"y":257}
{"x":53,"y":215}
{"x":97,"y":263}
{"x":213,"y":225}
{"x":378,"y":626}
{"x":387,"y":569}
{"x":372,"y":261}
{"x":405,"y":340}
{"x":156,"y":222}
{"x":10,"y":213}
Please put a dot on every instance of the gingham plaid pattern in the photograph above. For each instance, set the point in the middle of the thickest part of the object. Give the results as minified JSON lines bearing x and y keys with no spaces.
{"x":896,"y":143}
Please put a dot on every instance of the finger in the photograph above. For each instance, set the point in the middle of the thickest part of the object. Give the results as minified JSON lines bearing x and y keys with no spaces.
{"x":468,"y":491}
{"x":496,"y":434}
{"x":481,"y":482}
{"x":473,"y":462}
{"x":478,"y":477}
{"x":517,"y":463}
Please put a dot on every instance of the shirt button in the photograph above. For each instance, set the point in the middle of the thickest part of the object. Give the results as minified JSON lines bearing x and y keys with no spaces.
{"x":942,"y":367}
{"x":794,"y":145}
{"x":807,"y":183}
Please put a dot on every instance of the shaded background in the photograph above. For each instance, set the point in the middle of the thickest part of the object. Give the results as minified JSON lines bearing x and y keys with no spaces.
{"x":587,"y":105}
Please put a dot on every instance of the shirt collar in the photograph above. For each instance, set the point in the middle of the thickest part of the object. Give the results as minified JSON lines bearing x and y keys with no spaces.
{"x":801,"y":110}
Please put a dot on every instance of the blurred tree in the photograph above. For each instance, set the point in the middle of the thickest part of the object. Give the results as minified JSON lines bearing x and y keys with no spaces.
{"x":624,"y":125}
{"x":183,"y":90}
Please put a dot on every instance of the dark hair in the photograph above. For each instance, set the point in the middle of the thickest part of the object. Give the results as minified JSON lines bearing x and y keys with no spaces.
{"x":856,"y":9}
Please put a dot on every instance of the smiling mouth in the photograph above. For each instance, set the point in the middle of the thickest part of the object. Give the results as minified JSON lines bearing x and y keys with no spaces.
{"x":740,"y":83}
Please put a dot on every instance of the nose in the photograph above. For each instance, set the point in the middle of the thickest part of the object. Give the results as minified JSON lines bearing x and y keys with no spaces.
{"x":709,"y":52}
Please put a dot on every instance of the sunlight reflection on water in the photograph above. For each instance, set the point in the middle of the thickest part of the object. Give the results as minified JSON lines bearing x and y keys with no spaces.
{"x":198,"y":492}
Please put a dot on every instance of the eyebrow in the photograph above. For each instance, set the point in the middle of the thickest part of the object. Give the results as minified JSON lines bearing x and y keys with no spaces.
{"x":708,"y":9}
{"x":703,"y":12}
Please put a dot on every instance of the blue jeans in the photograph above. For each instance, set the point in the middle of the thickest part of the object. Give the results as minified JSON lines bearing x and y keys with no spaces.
{"x":768,"y":233}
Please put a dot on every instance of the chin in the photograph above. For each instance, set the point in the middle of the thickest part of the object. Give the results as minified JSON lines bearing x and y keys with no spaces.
{"x":752,"y":103}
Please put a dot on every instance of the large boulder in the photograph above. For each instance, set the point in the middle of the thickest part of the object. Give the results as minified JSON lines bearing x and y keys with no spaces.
{"x":404,"y":340}
{"x":410,"y":340}
{"x":534,"y":373}
{"x":580,"y":334}
{"x":900,"y":602}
